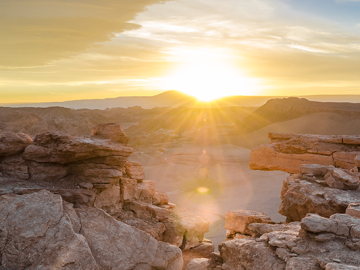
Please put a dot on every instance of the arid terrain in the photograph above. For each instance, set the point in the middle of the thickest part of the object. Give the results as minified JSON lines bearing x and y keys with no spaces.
{"x":185,"y":148}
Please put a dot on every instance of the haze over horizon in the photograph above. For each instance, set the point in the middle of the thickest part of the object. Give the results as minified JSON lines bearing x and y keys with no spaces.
{"x":57,"y":51}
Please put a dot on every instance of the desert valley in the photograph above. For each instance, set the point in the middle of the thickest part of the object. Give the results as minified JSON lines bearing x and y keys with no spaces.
{"x":204,"y":160}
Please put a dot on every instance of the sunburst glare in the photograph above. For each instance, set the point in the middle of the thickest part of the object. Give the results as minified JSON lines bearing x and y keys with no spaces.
{"x":208,"y":76}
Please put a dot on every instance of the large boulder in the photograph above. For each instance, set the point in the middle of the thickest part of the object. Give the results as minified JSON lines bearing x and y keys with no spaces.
{"x":184,"y":229}
{"x":248,"y":254}
{"x":301,"y":194}
{"x":116,"y":245}
{"x":55,"y":147}
{"x":13,"y":143}
{"x":237,"y":221}
{"x":135,"y":170}
{"x":37,"y":233}
{"x":111,"y":131}
{"x":41,"y":231}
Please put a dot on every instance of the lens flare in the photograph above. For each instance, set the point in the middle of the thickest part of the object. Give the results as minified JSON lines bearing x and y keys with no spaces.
{"x":202,"y":190}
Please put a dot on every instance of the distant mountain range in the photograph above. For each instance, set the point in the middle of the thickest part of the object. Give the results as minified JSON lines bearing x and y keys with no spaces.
{"x":175,"y":99}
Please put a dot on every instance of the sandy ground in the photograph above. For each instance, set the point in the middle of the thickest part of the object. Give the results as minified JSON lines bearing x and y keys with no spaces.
{"x":209,"y":181}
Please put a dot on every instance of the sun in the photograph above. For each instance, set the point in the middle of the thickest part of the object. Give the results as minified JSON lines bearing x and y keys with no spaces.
{"x":210,"y":80}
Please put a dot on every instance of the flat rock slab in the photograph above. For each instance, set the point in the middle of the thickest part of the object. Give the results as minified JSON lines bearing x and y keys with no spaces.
{"x":238,"y":220}
{"x":300,"y":197}
{"x":287,"y":152}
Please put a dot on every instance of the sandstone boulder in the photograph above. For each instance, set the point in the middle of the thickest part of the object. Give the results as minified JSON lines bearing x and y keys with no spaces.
{"x":353,"y":209}
{"x":13,"y":143}
{"x":129,"y":189}
{"x":184,"y":229}
{"x":341,"y":179}
{"x":135,"y":170}
{"x":301,"y":196}
{"x":14,"y":167}
{"x":116,"y":245}
{"x":199,"y":264}
{"x":55,"y":147}
{"x":111,"y":131}
{"x":238,"y":220}
{"x":37,"y":233}
{"x":108,"y":197}
{"x":202,"y":251}
{"x":248,"y":254}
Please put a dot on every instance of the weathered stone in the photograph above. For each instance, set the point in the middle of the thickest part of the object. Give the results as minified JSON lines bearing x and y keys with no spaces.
{"x":108,"y":197}
{"x":287,"y":151}
{"x":184,"y":229}
{"x":146,"y":191}
{"x":353,"y":209}
{"x":63,"y":149}
{"x":315,"y":169}
{"x":135,"y":170}
{"x":259,"y":229}
{"x":14,"y":167}
{"x":152,"y":227}
{"x":341,"y":179}
{"x":86,"y":185}
{"x":77,"y":197}
{"x":204,"y":250}
{"x":144,"y":210}
{"x":36,"y":233}
{"x":111,"y":131}
{"x":239,"y":220}
{"x":339,"y":266}
{"x":129,"y":189}
{"x":47,"y":171}
{"x":317,"y":224}
{"x":116,"y":245}
{"x":249,"y":254}
{"x":265,"y":157}
{"x":160,"y":198}
{"x":13,"y":143}
{"x":117,"y":161}
{"x":96,"y":173}
{"x":199,"y":264}
{"x":300,"y":197}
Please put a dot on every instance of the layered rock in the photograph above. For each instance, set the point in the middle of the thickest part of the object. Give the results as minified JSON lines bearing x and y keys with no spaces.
{"x":287,"y":152}
{"x":92,"y":174}
{"x":41,"y":231}
{"x":314,"y":243}
{"x":312,"y":192}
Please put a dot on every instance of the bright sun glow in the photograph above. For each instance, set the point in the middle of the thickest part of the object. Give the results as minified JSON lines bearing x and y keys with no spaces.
{"x":210,"y":78}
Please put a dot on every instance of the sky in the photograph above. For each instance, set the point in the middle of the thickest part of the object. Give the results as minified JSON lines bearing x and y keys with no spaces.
{"x":57,"y":50}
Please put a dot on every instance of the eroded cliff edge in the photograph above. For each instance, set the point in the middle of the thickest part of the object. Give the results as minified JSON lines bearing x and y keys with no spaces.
{"x":77,"y":203}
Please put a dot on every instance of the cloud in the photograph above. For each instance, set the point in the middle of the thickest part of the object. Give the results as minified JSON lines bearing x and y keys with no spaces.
{"x":35,"y":33}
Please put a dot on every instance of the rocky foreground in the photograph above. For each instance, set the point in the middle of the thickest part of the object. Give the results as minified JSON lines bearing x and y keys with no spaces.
{"x":77,"y":203}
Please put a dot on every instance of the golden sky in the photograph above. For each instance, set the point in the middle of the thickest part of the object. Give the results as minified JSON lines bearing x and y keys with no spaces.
{"x":56,"y":50}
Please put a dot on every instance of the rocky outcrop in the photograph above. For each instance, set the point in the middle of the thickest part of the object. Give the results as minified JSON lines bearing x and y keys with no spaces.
{"x":314,"y":243}
{"x":287,"y":152}
{"x":136,"y":228}
{"x":311,"y":192}
{"x":41,"y":231}
{"x":13,"y":143}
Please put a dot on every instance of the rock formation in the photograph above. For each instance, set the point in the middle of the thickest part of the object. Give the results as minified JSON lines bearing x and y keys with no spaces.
{"x":321,"y":203}
{"x":287,"y":152}
{"x":77,"y":203}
